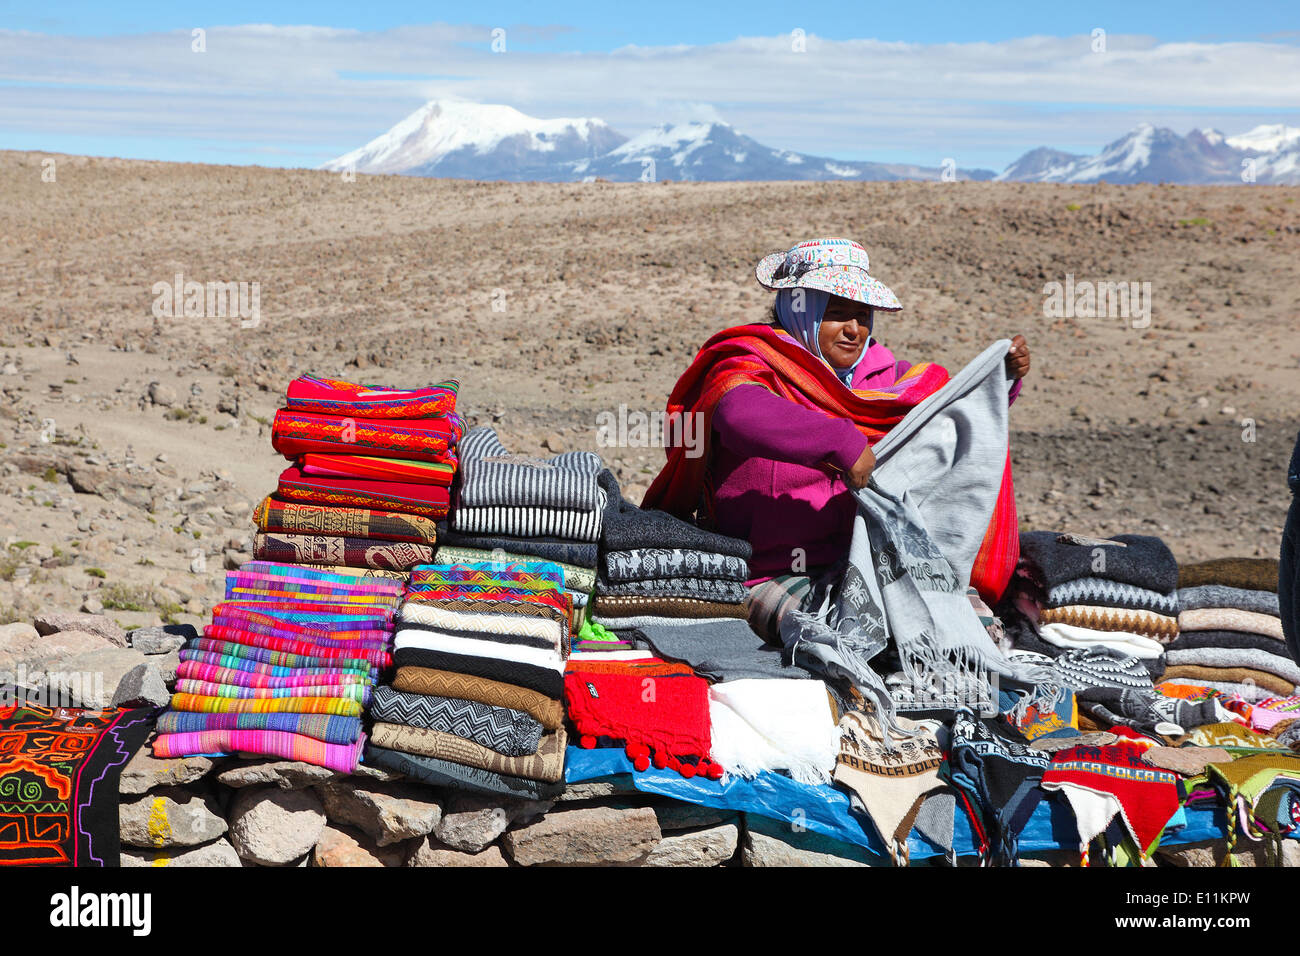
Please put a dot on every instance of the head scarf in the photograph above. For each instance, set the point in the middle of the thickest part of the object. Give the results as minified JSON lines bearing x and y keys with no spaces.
{"x":804,"y":325}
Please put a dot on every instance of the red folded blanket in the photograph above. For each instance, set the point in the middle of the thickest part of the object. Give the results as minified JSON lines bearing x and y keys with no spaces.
{"x":431,"y":501}
{"x":421,"y":439}
{"x":327,"y":396}
{"x":388,"y":469}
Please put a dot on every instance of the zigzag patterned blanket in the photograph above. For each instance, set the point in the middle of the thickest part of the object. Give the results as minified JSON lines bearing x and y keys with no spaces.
{"x":511,"y":733}
{"x":1106,"y":593}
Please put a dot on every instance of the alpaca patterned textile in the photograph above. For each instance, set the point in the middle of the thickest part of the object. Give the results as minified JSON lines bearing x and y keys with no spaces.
{"x":430,"y":501}
{"x":1220,"y":595}
{"x":569,"y":523}
{"x":511,"y":733}
{"x":891,"y":780}
{"x":655,"y":710}
{"x":998,"y":773}
{"x":583,"y":554}
{"x":1231,"y":619}
{"x":1158,"y":627}
{"x":760,"y":355}
{"x":1103,"y":782}
{"x":289,"y":518}
{"x":383,"y":469}
{"x":326,"y":396}
{"x":548,"y":711}
{"x":647,"y":564}
{"x":342,"y":758}
{"x":1250,"y":574}
{"x":491,"y":475}
{"x":327,"y":727}
{"x":723,"y":592}
{"x":428,"y":439}
{"x":1104,"y":593}
{"x":329,"y":550}
{"x":546,"y":765}
{"x":543,"y":680}
{"x":59,"y":772}
{"x":446,"y":773}
{"x":625,"y":527}
{"x":576,"y":578}
{"x":1140,"y":560}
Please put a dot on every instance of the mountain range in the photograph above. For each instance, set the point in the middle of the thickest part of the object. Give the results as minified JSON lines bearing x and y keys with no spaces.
{"x":460,"y":140}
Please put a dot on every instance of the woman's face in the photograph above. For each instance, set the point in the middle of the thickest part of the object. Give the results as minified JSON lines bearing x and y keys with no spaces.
{"x":845,"y":328}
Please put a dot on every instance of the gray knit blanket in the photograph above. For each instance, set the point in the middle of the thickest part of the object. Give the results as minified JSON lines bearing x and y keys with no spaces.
{"x":491,"y":475}
{"x":1220,"y":595}
{"x":920,"y":523}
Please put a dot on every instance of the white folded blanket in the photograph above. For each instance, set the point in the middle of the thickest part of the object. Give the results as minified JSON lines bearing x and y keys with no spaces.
{"x":1068,"y":635}
{"x":774,"y":724}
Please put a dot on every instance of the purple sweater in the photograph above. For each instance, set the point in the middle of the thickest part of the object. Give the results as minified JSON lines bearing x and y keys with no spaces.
{"x":776,"y":471}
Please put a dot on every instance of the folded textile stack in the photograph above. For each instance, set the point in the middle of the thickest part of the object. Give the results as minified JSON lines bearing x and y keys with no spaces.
{"x":1230,"y":628}
{"x":476,"y":699}
{"x":657,"y":711}
{"x":659,"y":575}
{"x":286,"y":667}
{"x":1082,"y":593}
{"x":371,"y":475}
{"x":519,"y":508}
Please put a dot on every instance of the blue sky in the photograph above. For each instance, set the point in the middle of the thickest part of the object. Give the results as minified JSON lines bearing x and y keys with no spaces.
{"x":296,"y":84}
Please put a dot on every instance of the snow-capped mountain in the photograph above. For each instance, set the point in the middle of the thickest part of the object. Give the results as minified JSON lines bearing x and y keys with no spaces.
{"x":474,"y":141}
{"x":479,"y":141}
{"x":1152,"y":154}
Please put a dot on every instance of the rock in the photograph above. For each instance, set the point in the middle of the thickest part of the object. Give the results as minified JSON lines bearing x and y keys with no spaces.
{"x":173,"y":817}
{"x":343,"y":846}
{"x":51,"y":622}
{"x":18,"y":634}
{"x":92,"y":605}
{"x":388,"y":812}
{"x":182,"y":585}
{"x":470,"y":823}
{"x":776,"y":843}
{"x":1051,"y":858}
{"x":142,"y":685}
{"x":272,"y":827}
{"x":162,"y":639}
{"x":285,"y":774}
{"x":145,"y":772}
{"x":161,"y":394}
{"x":622,"y":783}
{"x":91,"y":677}
{"x":168,"y":664}
{"x":690,"y":816}
{"x":1188,"y":761}
{"x":234,"y":560}
{"x":593,"y":836}
{"x":1093,"y":738}
{"x":712,"y":846}
{"x":217,"y":853}
{"x":429,"y":853}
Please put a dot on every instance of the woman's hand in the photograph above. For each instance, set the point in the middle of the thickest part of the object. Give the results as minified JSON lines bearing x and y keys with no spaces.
{"x":1018,"y":358}
{"x":860,"y":473}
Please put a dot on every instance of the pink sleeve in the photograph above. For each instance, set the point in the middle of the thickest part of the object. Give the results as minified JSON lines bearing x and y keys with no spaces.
{"x":752,"y":422}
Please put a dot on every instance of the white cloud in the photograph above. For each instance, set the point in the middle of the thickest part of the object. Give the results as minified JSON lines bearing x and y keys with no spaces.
{"x":322,"y":91}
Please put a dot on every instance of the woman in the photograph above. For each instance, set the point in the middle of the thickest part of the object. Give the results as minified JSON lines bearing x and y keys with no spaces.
{"x":790,"y":413}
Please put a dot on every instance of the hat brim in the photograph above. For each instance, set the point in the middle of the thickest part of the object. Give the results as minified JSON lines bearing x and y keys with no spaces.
{"x":847,"y":282}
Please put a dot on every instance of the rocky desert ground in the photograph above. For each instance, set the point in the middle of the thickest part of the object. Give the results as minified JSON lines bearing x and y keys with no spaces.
{"x":134,"y":445}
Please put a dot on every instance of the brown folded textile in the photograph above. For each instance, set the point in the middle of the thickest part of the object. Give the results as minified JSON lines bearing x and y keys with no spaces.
{"x":352,"y":552}
{"x":1252,"y":574}
{"x":1231,"y":619}
{"x":1160,"y":627}
{"x":1230,"y":675}
{"x":436,"y":683}
{"x":547,"y":765}
{"x":293,"y":518}
{"x":604,"y":605}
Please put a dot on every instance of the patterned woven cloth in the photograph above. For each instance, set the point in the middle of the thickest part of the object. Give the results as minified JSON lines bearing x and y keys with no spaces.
{"x":706,"y":589}
{"x":613,"y":606}
{"x":340,"y":757}
{"x":330,"y":550}
{"x":647,"y":564}
{"x":289,"y":518}
{"x":511,"y":733}
{"x":428,"y":439}
{"x":330,"y":728}
{"x":491,"y":475}
{"x":571,"y":523}
{"x":546,"y":765}
{"x":437,"y":772}
{"x":1160,"y":627}
{"x":326,"y":396}
{"x":1105,"y":593}
{"x":548,"y":711}
{"x":430,"y":501}
{"x":379,"y":469}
